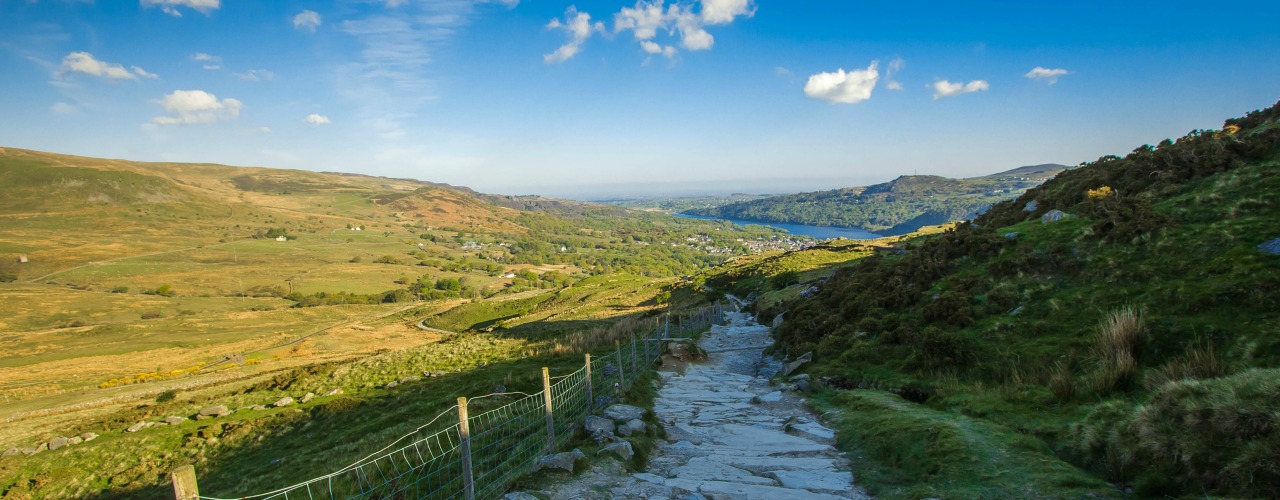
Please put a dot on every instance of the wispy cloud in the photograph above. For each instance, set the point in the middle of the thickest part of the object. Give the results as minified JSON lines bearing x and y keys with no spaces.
{"x":840,"y":87}
{"x":1047,"y":75}
{"x":895,"y":66}
{"x":84,"y":62}
{"x":256,"y":75}
{"x":189,"y":107}
{"x":316,"y":119}
{"x":307,"y":20}
{"x":944,"y":88}
{"x":171,"y":6}
{"x":579,"y":27}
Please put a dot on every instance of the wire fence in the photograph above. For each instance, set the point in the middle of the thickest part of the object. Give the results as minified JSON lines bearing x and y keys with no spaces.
{"x":479,"y":456}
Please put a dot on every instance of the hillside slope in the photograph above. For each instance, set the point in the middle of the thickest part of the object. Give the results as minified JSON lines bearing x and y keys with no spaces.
{"x":896,"y":207}
{"x":1136,"y":339}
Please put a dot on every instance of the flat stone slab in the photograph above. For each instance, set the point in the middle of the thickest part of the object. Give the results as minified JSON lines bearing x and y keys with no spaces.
{"x":831,"y":481}
{"x":717,"y":490}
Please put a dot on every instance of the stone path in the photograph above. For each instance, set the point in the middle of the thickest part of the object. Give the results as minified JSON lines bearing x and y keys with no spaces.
{"x":731,"y":435}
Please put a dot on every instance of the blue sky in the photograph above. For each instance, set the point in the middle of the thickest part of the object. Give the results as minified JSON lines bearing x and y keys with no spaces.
{"x":605,"y":98}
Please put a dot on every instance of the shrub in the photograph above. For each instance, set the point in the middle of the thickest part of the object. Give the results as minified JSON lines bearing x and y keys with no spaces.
{"x":1062,"y":382}
{"x":120,"y":289}
{"x":152,"y":315}
{"x":1197,"y":363}
{"x":8,"y":277}
{"x":1118,"y":339}
{"x":167,"y":396}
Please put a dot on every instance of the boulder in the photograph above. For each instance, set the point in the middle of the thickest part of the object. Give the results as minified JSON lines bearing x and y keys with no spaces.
{"x":795,"y":365}
{"x":258,"y":407}
{"x":334,"y":392}
{"x":58,"y":442}
{"x":215,"y":411}
{"x":802,"y":385}
{"x":563,"y":461}
{"x":622,"y":449}
{"x":75,"y":440}
{"x":88,"y":436}
{"x":1271,"y":247}
{"x":10,"y":452}
{"x":596,"y":426}
{"x":1031,"y":206}
{"x":136,"y":427}
{"x":308,"y":397}
{"x":285,"y":401}
{"x":1054,"y":215}
{"x":631,"y":428}
{"x":623,"y":413}
{"x":171,"y":420}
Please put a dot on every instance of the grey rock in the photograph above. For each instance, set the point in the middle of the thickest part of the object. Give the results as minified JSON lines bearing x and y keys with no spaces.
{"x":203,"y":417}
{"x":518,"y":495}
{"x":36,"y":449}
{"x":1054,"y":215}
{"x":392,"y":384}
{"x":814,"y":480}
{"x":803,"y":385}
{"x":623,"y":413}
{"x":75,"y":440}
{"x":649,"y":478}
{"x":598,"y":425}
{"x":622,"y":449}
{"x":411,"y":378}
{"x":215,"y":411}
{"x":149,"y":425}
{"x":772,"y":397}
{"x":1013,"y":236}
{"x":258,"y":407}
{"x":795,"y":365}
{"x":722,"y":489}
{"x":499,"y":389}
{"x":136,"y":427}
{"x":285,"y":401}
{"x":88,"y":436}
{"x":631,"y":428}
{"x":797,"y":378}
{"x":563,"y":461}
{"x":10,"y":452}
{"x":1271,"y":247}
{"x":1016,"y":311}
{"x":172,"y":420}
{"x":308,"y":397}
{"x":334,"y":392}
{"x":58,"y":442}
{"x":1031,"y":206}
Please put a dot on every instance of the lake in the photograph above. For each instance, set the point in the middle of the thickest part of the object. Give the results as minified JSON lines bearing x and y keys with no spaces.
{"x":819,"y":232}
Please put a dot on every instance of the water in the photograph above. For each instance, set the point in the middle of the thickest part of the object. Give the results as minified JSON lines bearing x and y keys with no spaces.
{"x":818,"y":232}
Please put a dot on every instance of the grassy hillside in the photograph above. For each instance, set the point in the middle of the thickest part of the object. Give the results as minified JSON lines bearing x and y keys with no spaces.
{"x":896,"y":207}
{"x":1137,"y":342}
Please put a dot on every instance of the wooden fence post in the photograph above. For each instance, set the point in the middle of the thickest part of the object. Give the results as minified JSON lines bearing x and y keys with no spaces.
{"x":622,"y":380}
{"x":591,"y":400}
{"x":184,"y":483}
{"x":546,"y":398}
{"x":464,"y":435}
{"x":634,"y":369}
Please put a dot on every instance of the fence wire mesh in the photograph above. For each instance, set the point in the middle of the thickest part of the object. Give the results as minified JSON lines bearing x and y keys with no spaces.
{"x":505,"y":442}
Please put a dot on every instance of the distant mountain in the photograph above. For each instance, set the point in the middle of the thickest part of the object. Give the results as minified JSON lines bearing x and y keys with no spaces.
{"x":896,"y":207}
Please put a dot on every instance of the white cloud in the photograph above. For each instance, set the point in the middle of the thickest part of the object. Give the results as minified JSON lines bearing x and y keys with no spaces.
{"x":309,"y":20}
{"x":316,"y":119}
{"x":783,"y":71}
{"x":265,"y":130}
{"x":644,"y":19}
{"x":943,"y":88}
{"x":171,"y":6}
{"x":841,"y":87}
{"x":201,"y":56}
{"x":653,"y":48}
{"x":725,"y":11}
{"x":84,"y":62}
{"x":579,"y":27}
{"x":894,"y":66}
{"x":143,"y":73}
{"x":212,"y":67}
{"x":1046,"y":74}
{"x":187,"y":107}
{"x":62,"y":108}
{"x":256,"y":75}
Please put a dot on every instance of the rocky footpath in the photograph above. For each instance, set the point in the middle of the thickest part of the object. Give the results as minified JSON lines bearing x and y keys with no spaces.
{"x":731,"y":434}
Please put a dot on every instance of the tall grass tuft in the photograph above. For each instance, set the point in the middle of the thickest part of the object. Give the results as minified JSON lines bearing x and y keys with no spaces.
{"x":1118,"y":338}
{"x":1198,"y":363}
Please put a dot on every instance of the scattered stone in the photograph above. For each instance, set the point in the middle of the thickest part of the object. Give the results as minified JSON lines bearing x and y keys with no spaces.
{"x":499,"y":389}
{"x":794,"y":365}
{"x":649,"y":478}
{"x":1013,"y":236}
{"x":285,"y":401}
{"x":772,"y":397}
{"x":777,"y":320}
{"x":802,"y":385}
{"x":631,"y":428}
{"x":215,"y":411}
{"x":802,"y":376}
{"x":88,"y":436}
{"x":518,"y":495}
{"x":202,"y":417}
{"x":1054,"y":215}
{"x":392,"y":384}
{"x":148,"y":425}
{"x":35,"y":450}
{"x":809,"y":292}
{"x":308,"y":397}
{"x":58,"y":442}
{"x":1271,"y":247}
{"x":75,"y":440}
{"x":136,"y":427}
{"x":10,"y":452}
{"x":1016,"y":311}
{"x":258,"y":407}
{"x":411,"y":378}
{"x":1031,"y":206}
{"x":814,"y":480}
{"x":623,"y":413}
{"x":334,"y":392}
{"x":622,"y":449}
{"x":563,"y":461}
{"x":598,"y":426}
{"x":174,"y":420}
